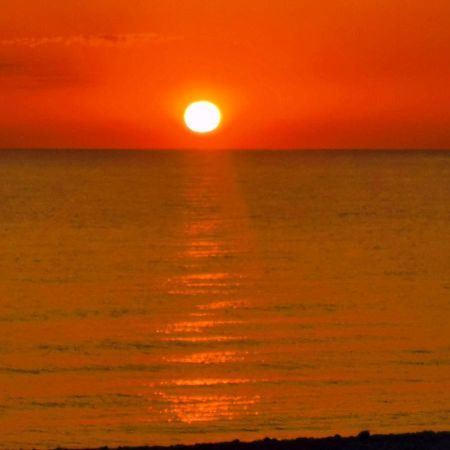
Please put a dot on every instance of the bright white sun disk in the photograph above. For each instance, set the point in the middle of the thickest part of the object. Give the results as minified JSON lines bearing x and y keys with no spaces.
{"x":202,"y":117}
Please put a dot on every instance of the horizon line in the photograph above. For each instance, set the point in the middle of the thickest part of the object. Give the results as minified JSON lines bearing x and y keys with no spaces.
{"x":251,"y":149}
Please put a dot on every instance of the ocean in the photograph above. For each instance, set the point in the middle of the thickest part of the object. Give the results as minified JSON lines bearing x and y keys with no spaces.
{"x":167,"y":297}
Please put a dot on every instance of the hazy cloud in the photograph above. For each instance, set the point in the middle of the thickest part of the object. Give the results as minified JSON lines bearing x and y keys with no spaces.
{"x":10,"y":67}
{"x":38,"y":71}
{"x":26,"y":62}
{"x":91,"y":40}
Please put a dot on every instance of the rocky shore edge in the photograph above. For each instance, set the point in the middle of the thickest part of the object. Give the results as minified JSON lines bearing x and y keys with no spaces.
{"x":425,"y":440}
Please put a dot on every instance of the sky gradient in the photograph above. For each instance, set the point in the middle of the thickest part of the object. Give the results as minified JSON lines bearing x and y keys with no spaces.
{"x":286,"y":74}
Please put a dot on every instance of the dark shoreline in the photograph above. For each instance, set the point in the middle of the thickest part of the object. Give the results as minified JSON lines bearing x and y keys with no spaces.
{"x":425,"y":440}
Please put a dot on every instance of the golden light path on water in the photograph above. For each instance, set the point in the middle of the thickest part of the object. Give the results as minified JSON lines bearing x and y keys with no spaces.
{"x":214,"y":190}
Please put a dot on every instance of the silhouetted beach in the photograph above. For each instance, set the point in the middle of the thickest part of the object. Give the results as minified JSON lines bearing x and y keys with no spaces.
{"x":426,"y":440}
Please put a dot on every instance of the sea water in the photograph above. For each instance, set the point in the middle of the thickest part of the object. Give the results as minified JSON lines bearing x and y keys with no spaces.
{"x":180,"y":297}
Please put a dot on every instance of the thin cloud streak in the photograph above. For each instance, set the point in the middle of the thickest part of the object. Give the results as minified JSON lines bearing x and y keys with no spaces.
{"x":92,"y":40}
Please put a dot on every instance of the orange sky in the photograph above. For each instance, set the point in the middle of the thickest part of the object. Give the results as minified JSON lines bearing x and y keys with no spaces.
{"x":286,"y":73}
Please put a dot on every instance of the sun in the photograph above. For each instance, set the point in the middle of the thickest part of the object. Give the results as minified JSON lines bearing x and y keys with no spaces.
{"x":202,"y":117}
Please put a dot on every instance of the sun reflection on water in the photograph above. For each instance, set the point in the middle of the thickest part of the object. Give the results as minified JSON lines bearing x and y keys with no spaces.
{"x":204,"y":339}
{"x":220,"y":357}
{"x":213,"y":281}
{"x":225,"y":304}
{"x":206,"y":249}
{"x":208,"y":408}
{"x":197,"y":326}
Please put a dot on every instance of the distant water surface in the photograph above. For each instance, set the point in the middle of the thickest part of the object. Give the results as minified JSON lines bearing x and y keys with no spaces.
{"x":177,"y":297}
